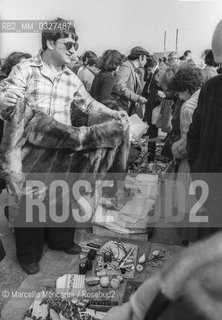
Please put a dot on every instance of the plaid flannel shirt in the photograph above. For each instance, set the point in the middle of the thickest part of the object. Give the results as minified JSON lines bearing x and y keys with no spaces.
{"x":52,"y":97}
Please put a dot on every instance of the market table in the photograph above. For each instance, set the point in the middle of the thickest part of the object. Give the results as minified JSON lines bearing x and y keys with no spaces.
{"x":55,"y":264}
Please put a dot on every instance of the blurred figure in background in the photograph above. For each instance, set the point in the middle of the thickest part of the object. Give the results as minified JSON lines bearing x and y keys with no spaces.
{"x":74,"y":64}
{"x":150,"y":68}
{"x":86,"y":73}
{"x":170,"y":111}
{"x":162,"y":62}
{"x":186,"y":56}
{"x":103,"y":83}
{"x":173,"y":58}
{"x":84,"y":58}
{"x":210,"y":69}
{"x":13,"y":59}
{"x":78,"y":64}
{"x":165,"y":81}
{"x":153,"y":100}
{"x":128,"y":84}
{"x":186,"y":83}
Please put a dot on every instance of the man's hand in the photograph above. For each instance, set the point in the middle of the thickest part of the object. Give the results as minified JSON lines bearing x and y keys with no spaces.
{"x":161,"y":94}
{"x":142,"y":100}
{"x":118,"y":115}
{"x":124,"y":114}
{"x":10,"y":98}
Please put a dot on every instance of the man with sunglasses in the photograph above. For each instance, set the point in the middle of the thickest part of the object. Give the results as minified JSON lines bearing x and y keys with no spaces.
{"x":47,"y":82}
{"x":50,"y":87}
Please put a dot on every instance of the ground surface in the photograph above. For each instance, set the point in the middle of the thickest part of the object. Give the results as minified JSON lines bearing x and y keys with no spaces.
{"x":11,"y":274}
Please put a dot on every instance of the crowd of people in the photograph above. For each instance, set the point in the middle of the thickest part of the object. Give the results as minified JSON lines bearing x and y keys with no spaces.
{"x":139,"y":84}
{"x":184,"y":94}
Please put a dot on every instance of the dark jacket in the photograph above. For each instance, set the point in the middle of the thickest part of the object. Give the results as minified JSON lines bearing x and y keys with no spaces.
{"x":153,"y":101}
{"x":204,"y":139}
{"x":204,"y":146}
{"x":102,"y":89}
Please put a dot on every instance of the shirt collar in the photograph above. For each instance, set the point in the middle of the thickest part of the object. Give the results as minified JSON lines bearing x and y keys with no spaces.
{"x":37,"y":62}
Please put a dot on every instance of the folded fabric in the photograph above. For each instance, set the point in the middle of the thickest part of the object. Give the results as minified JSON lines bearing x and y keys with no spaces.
{"x":138,"y":207}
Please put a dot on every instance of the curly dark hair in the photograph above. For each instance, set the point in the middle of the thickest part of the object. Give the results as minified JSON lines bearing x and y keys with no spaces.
{"x":13,"y":59}
{"x":110,"y":60}
{"x":187,"y":78}
{"x":166,"y":76}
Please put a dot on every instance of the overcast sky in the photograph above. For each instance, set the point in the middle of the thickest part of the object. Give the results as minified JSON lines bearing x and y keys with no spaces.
{"x":117,"y":24}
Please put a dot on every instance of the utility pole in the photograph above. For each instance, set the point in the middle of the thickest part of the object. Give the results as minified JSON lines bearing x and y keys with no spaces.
{"x":164,"y":42}
{"x":177,"y":39}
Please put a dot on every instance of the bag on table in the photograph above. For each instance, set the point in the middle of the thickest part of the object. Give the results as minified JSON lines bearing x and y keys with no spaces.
{"x":156,"y":114}
{"x":164,"y":118}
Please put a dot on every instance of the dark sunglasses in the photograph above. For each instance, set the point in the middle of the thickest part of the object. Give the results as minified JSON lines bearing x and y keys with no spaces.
{"x":69,"y":45}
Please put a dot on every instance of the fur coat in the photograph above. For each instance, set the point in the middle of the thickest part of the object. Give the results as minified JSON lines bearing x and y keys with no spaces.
{"x":34,"y":142}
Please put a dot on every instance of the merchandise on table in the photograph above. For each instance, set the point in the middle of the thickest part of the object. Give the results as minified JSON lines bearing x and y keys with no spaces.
{"x":71,"y":284}
{"x":143,"y":165}
{"x":123,"y":259}
{"x":154,"y":259}
{"x":59,"y":308}
{"x":157,"y":257}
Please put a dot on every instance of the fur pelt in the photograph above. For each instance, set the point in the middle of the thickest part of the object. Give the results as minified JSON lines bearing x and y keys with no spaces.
{"x":34,"y":142}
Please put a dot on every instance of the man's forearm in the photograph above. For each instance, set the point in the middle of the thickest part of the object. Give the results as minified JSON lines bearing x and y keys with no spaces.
{"x":127,"y":93}
{"x":101,"y":109}
{"x":2,"y":98}
{"x":105,"y":110}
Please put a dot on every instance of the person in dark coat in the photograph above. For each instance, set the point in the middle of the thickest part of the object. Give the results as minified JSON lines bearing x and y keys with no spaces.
{"x":103,"y":84}
{"x":152,"y":102}
{"x":174,"y":135}
{"x":204,"y":139}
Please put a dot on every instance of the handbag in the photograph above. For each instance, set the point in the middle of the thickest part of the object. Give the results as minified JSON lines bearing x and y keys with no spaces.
{"x":166,"y":115}
{"x":163,"y":119}
{"x":156,"y":115}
